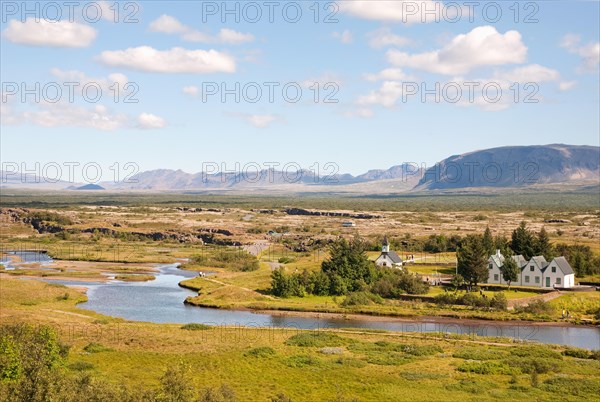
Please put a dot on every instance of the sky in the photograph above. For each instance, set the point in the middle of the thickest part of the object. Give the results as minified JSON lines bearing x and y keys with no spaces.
{"x":346,"y":86}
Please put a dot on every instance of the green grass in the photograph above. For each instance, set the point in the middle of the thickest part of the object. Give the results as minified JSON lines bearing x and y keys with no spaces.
{"x":259,"y":364}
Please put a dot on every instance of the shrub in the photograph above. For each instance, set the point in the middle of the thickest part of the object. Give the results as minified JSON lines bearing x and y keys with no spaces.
{"x":286,"y":260}
{"x":536,"y":307}
{"x":470,"y":353}
{"x":195,"y":327}
{"x":499,"y":301}
{"x":421,"y":350}
{"x":361,"y":299}
{"x":351,"y":362}
{"x":572,"y":386}
{"x":578,"y":353}
{"x":315,"y":339}
{"x":94,"y":347}
{"x":484,"y":368}
{"x":263,"y":351}
{"x":445,"y":299}
{"x":301,"y":361}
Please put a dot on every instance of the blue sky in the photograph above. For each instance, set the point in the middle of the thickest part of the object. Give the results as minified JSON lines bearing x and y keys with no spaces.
{"x":373,"y":57}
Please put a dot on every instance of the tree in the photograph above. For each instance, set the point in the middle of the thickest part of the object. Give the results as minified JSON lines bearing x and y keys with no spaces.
{"x":348,"y":261}
{"x":488,"y":242}
{"x":523,"y":241}
{"x":510,"y":270}
{"x":543,"y":246}
{"x":472,"y":260}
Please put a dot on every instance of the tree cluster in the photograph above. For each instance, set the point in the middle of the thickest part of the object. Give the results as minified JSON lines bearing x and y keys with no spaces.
{"x":347,"y":270}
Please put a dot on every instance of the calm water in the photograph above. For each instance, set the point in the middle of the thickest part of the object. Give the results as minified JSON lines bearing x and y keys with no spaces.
{"x":25,"y":257}
{"x":161,"y":301}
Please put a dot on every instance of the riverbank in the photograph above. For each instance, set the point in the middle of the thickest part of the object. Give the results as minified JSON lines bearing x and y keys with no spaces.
{"x":261,"y":363}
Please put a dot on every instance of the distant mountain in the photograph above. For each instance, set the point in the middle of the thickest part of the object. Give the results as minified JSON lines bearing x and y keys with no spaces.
{"x":515,"y":166}
{"x":164,"y":179}
{"x":89,"y":187}
{"x":504,"y":167}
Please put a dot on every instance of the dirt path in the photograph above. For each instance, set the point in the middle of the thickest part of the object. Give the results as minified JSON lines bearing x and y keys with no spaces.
{"x":239,"y":287}
{"x":257,"y":248}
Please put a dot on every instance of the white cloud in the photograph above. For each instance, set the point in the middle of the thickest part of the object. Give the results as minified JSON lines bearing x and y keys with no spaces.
{"x":64,"y":114}
{"x":82,"y":79}
{"x":345,"y":36}
{"x":392,"y":91}
{"x":384,"y":37}
{"x":175,"y":60}
{"x":387,"y":95}
{"x":590,"y":53}
{"x":233,"y":37}
{"x":405,"y":11}
{"x":257,"y":120}
{"x":172,"y":26}
{"x":191,"y":90}
{"x":149,"y":121}
{"x":390,"y":74}
{"x":483,"y":46}
{"x":567,"y":85}
{"x":530,"y":73}
{"x":48,"y":33}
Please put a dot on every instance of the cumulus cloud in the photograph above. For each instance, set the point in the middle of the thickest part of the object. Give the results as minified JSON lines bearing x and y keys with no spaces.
{"x":467,"y":91}
{"x":175,"y":60}
{"x":345,"y":36}
{"x":83,"y":79}
{"x":148,"y":121}
{"x":170,"y":25}
{"x":590,"y":53}
{"x":387,"y":95}
{"x":64,"y":114}
{"x":389,"y":74}
{"x":384,"y":37}
{"x":483,"y":46}
{"x":404,"y":11}
{"x":49,"y":33}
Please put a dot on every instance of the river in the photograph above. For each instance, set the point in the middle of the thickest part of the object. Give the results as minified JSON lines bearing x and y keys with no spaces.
{"x":161,"y":301}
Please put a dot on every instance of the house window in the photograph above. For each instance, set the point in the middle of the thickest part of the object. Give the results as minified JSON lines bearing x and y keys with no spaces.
{"x":537,"y":279}
{"x":495,"y":277}
{"x":532,"y":268}
{"x":553,"y":270}
{"x":526,"y":279}
{"x":558,"y":281}
{"x":491,"y":266}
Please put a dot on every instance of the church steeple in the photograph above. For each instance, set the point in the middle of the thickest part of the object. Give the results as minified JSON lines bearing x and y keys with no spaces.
{"x":385,"y":247}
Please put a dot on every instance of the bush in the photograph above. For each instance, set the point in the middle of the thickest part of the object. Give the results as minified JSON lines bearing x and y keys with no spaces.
{"x":446,"y":299}
{"x":263,"y":351}
{"x":421,"y":350}
{"x":94,"y":347}
{"x":499,"y":301}
{"x":484,"y":368}
{"x":286,"y":260}
{"x":301,"y":361}
{"x":578,"y":353}
{"x":361,"y":299}
{"x":470,"y":353}
{"x":315,"y":339}
{"x":195,"y":327}
{"x":536,"y":307}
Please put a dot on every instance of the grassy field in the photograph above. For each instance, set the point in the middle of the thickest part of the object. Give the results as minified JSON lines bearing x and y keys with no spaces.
{"x":259,"y":364}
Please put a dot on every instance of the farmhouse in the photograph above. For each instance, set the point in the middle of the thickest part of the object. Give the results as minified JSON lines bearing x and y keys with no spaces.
{"x":536,"y":272}
{"x":388,"y":258}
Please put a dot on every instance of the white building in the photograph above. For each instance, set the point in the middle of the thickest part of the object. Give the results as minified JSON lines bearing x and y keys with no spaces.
{"x":388,"y":258}
{"x":536,"y":272}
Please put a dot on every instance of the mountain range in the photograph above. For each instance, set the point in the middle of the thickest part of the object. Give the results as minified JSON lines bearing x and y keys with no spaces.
{"x":503,"y":167}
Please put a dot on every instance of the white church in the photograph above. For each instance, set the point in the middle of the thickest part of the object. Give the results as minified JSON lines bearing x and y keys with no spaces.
{"x":388,"y":258}
{"x":536,"y":272}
